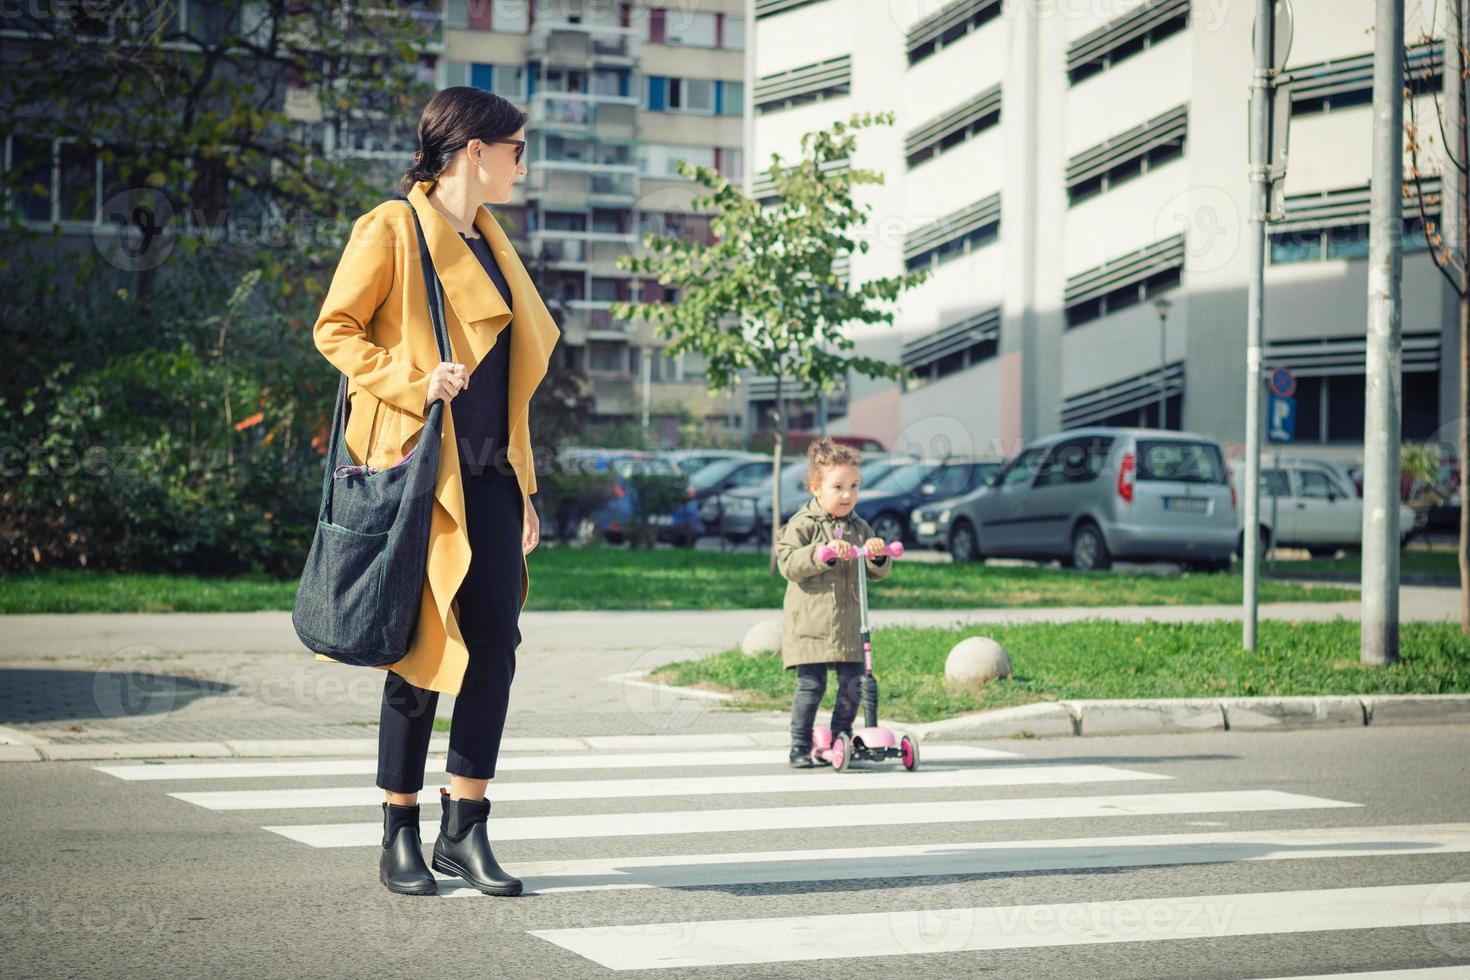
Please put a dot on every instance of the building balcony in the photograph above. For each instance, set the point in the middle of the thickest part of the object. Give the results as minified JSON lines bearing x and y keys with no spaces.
{"x":562,"y":44}
{"x":582,"y":184}
{"x":611,"y":117}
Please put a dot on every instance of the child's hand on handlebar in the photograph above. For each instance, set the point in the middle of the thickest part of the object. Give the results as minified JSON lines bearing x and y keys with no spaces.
{"x":876,"y":547}
{"x":842,"y":547}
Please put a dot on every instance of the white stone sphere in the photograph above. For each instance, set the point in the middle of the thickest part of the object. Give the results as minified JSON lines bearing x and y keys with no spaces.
{"x":763,"y":637}
{"x":974,"y":661}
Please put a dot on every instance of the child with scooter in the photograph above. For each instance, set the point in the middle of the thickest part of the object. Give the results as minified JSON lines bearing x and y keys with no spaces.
{"x":824,"y":619}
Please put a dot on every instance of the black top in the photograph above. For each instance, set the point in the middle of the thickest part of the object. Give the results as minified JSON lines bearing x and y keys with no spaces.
{"x":481,"y":411}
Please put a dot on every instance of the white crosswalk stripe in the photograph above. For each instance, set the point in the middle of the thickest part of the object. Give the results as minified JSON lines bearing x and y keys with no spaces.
{"x":613,"y":789}
{"x":712,"y":758}
{"x":728,"y":942}
{"x":690,"y":789}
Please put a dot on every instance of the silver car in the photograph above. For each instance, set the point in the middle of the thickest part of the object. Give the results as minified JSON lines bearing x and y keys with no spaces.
{"x":1316,"y":508}
{"x":1088,"y":496}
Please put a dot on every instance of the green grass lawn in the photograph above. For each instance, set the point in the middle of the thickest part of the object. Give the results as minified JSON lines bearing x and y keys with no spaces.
{"x":1107,"y":659}
{"x":1438,"y":562}
{"x":617,"y":578}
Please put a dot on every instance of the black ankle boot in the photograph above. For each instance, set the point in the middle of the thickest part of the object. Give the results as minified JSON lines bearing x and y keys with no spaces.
{"x":802,"y":758}
{"x":401,"y":867}
{"x":463,"y":847}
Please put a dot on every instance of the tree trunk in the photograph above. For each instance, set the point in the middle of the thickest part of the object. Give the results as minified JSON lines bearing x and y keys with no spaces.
{"x":1463,"y":452}
{"x":780,"y":420}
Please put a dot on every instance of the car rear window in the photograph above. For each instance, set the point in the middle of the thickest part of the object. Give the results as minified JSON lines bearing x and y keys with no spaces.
{"x":1180,"y":461}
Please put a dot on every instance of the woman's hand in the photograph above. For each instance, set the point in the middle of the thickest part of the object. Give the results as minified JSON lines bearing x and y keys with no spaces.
{"x":445,"y":381}
{"x":876,"y":547}
{"x":530,"y":530}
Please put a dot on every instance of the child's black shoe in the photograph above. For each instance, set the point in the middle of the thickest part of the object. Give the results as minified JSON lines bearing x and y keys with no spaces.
{"x":801,"y":757}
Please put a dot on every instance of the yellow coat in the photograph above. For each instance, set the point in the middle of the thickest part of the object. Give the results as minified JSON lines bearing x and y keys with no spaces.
{"x":377,"y":290}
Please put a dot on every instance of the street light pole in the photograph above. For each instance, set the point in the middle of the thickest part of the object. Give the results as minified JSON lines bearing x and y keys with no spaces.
{"x":1262,"y":82}
{"x":1162,"y":304}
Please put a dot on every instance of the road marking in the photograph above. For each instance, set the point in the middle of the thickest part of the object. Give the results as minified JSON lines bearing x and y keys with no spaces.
{"x":1430,"y":973}
{"x":985,"y":858}
{"x":884,"y":815}
{"x":730,"y":942}
{"x":582,"y":760}
{"x":618,"y":789}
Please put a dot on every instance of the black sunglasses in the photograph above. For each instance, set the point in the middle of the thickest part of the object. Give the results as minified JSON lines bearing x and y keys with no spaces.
{"x":520,"y":146}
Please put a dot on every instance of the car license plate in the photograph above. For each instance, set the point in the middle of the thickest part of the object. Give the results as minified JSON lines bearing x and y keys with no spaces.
{"x":1192,"y":505}
{"x":927,"y":528}
{"x":663,"y":519}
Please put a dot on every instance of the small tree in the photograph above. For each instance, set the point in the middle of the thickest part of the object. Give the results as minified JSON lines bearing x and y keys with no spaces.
{"x":765,"y":296}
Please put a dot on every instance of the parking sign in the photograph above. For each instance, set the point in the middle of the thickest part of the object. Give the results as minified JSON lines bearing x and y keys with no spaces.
{"x":1281,"y":419}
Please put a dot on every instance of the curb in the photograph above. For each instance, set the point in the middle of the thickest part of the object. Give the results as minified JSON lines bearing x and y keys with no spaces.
{"x":321,"y":747}
{"x":1171,"y":715}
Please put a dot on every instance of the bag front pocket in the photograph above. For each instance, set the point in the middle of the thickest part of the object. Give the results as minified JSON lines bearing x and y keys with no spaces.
{"x":337,"y":602}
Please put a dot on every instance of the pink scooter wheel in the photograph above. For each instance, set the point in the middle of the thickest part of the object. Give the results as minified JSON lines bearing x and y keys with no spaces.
{"x":909,"y":750}
{"x":841,"y":753}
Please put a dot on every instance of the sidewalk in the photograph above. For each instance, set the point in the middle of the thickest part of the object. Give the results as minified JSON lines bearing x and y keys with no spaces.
{"x":225,"y":677}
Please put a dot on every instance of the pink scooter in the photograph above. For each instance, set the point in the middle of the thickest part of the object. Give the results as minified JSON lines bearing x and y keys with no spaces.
{"x":870,"y":743}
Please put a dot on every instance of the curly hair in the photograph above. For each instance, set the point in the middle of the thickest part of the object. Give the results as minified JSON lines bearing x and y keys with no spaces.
{"x":824,"y":454}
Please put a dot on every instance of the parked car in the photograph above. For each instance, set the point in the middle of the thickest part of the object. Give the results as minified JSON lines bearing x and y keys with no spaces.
{"x":1090,"y":495}
{"x":709,"y":485}
{"x":615,"y":519}
{"x":797,"y":441}
{"x":1315,"y":508}
{"x":747,"y":510}
{"x":888,"y":504}
{"x":691,"y":461}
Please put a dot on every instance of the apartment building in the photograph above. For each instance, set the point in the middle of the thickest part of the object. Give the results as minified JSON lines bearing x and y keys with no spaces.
{"x":617,"y":93}
{"x":1059,"y":168}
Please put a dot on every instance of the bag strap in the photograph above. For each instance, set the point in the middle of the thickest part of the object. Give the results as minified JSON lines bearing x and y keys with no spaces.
{"x":335,"y":446}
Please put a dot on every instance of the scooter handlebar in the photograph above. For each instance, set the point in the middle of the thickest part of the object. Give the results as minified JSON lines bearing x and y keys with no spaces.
{"x":826,"y":552}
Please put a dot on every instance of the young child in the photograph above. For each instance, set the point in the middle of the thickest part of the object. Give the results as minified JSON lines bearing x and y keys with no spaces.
{"x":821,"y":628}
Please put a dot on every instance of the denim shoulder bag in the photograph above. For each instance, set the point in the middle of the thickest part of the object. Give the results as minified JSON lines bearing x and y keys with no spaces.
{"x":358,"y":599}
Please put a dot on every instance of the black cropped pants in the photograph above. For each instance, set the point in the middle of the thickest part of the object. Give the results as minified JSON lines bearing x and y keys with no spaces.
{"x":489,"y":615}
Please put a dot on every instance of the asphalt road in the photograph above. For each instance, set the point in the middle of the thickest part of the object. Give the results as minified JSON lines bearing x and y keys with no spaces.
{"x":1232,"y":855}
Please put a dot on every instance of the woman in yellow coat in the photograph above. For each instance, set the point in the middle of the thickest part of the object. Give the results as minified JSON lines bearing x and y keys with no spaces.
{"x":375,"y":328}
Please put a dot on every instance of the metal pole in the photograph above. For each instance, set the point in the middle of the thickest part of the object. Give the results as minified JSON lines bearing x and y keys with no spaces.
{"x":1274,"y":522}
{"x":1163,"y":369}
{"x":1260,"y":110}
{"x":1380,"y":588}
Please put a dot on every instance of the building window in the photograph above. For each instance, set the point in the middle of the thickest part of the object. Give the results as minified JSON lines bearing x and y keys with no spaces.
{"x":1346,"y":82}
{"x":952,"y":348}
{"x":1130,"y":154}
{"x":1130,"y":401}
{"x":1333,"y":224}
{"x":956,"y":234}
{"x":1331,"y":379}
{"x":766,"y":8}
{"x":1125,"y":36}
{"x":949,"y":25}
{"x":946,"y":131}
{"x":1125,"y":281}
{"x":815,"y":82}
{"x":692,"y":95}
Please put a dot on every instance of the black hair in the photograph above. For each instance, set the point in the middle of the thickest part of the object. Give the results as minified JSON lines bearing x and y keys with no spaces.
{"x":453,"y":117}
